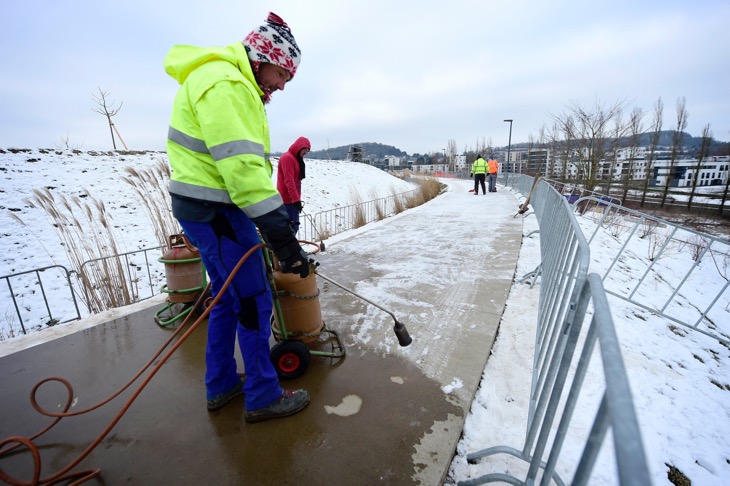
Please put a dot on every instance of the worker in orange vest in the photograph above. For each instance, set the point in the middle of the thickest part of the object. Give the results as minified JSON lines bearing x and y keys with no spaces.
{"x":493,"y":168}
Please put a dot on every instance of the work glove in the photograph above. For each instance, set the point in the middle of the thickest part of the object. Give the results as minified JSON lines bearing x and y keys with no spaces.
{"x":278,"y":235}
{"x":299,"y":205}
{"x":471,"y":175}
{"x":297,"y":263}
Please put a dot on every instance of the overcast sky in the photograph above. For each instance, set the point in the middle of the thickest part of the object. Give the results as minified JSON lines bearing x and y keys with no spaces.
{"x":411,"y":73}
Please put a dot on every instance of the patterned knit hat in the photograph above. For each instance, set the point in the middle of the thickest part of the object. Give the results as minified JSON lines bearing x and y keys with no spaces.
{"x":273,"y":43}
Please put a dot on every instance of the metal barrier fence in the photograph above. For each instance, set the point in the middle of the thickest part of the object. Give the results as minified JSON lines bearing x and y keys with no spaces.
{"x":653,"y":286}
{"x":568,"y":296}
{"x":65,"y":305}
{"x":145,"y":276}
{"x":56,"y":281}
{"x":333,"y":221}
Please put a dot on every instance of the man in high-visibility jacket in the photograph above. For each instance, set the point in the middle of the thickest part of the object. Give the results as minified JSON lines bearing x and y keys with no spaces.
{"x":221,"y":189}
{"x":493,"y":168}
{"x":479,"y":172}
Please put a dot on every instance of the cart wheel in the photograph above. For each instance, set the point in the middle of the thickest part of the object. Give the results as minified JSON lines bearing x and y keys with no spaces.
{"x":204,"y":298}
{"x":290,"y":358}
{"x":207,"y":299}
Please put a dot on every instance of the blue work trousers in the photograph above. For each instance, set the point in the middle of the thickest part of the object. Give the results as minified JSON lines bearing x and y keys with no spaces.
{"x":293,"y":213}
{"x":244,"y":309}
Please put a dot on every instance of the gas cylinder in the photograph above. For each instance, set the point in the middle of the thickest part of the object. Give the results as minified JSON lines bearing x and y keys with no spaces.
{"x":299,"y":304}
{"x":183,"y":270}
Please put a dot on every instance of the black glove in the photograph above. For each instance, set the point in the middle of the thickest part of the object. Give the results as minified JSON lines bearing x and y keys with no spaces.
{"x":299,"y":205}
{"x":297,"y":263}
{"x":278,"y":235}
{"x":471,"y":175}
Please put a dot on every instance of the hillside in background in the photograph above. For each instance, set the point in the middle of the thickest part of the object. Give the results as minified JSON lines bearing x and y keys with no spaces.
{"x":370,"y":150}
{"x":376,"y":151}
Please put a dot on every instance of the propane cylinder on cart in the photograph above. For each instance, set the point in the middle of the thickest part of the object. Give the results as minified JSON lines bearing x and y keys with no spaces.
{"x":299,"y":304}
{"x":183,"y":270}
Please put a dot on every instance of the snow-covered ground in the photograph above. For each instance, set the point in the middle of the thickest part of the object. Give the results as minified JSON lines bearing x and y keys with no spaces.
{"x":679,"y":378}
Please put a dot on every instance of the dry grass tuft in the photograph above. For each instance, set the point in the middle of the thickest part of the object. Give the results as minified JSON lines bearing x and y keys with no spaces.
{"x":428,"y":188}
{"x":379,"y":204}
{"x":358,"y":211}
{"x":86,"y":233}
{"x":398,"y":206}
{"x":151,"y":187}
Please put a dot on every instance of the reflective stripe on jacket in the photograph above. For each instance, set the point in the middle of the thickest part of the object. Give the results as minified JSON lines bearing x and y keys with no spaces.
{"x":479,"y":166}
{"x":493,"y":166}
{"x":218,"y":140}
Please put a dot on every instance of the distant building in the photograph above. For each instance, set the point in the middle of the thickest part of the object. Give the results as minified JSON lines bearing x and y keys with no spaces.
{"x":627,"y":162}
{"x":460,"y":162}
{"x":430,"y":168}
{"x":392,"y":161}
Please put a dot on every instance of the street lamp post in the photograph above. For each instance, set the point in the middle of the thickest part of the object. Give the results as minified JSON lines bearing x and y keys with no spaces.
{"x":509,"y":146}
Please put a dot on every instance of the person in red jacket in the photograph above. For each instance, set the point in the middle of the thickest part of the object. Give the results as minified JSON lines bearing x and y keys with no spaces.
{"x":289,"y":177}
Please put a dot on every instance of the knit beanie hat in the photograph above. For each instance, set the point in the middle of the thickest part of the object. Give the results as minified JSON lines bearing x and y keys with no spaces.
{"x":274,"y":43}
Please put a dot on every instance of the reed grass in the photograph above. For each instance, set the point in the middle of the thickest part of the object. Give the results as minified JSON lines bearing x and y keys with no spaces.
{"x":398,"y":206}
{"x":379,"y":204}
{"x":86,"y":233}
{"x":358,"y":209}
{"x":151,"y":187}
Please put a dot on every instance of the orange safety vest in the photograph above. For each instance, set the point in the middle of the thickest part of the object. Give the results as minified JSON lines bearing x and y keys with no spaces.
{"x":493,"y":165}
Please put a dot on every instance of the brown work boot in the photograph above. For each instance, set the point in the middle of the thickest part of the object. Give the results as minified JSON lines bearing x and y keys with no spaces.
{"x":289,"y":403}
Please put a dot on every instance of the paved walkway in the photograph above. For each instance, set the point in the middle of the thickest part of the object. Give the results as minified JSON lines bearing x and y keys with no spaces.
{"x":381,"y":415}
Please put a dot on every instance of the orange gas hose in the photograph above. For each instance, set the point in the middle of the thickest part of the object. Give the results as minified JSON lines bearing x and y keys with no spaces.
{"x":79,"y":477}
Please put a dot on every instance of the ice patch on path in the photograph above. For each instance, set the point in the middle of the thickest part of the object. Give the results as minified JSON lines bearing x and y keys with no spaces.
{"x":350,"y":406}
{"x":454,"y":385}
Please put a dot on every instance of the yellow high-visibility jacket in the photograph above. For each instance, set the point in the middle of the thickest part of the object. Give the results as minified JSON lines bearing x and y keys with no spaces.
{"x":218,"y":139}
{"x":479,"y":166}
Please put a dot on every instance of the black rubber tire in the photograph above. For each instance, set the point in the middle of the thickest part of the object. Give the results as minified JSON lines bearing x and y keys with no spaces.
{"x":290,"y":358}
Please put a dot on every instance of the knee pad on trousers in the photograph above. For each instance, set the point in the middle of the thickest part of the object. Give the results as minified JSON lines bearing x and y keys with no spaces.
{"x":249,"y":314}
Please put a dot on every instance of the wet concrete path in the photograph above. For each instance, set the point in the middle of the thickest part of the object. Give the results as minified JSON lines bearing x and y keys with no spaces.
{"x":381,"y":415}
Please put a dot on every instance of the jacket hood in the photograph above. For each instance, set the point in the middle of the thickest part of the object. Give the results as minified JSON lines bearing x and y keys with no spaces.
{"x":299,"y":144}
{"x":182,"y":60}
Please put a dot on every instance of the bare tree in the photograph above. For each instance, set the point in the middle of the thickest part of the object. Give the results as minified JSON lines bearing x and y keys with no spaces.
{"x":588,"y":129}
{"x":635,"y":130}
{"x":108,"y":112}
{"x":725,"y":193}
{"x":489,"y":149}
{"x":530,"y":156}
{"x":481,"y":147}
{"x":65,"y":144}
{"x":704,"y":152}
{"x":561,"y":151}
{"x":619,"y":130}
{"x":451,"y":154}
{"x":677,"y":138}
{"x":656,"y":135}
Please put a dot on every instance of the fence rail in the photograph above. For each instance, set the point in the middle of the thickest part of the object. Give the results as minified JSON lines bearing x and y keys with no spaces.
{"x":68,"y":300}
{"x":569,"y":296}
{"x":146,"y":276}
{"x":58,"y":281}
{"x":657,"y":293}
{"x":333,"y":221}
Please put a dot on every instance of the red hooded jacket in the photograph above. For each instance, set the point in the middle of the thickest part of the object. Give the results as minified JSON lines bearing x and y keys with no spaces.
{"x":290,"y":173}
